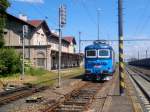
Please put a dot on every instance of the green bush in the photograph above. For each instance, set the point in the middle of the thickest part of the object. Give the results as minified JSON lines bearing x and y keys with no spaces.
{"x":9,"y":61}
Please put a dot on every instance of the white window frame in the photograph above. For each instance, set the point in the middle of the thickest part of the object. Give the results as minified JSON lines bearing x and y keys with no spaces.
{"x":91,"y":56}
{"x":104,"y":56}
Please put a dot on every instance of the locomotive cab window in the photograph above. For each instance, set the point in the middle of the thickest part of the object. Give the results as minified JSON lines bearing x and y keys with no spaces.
{"x":91,"y":53}
{"x":103,"y":53}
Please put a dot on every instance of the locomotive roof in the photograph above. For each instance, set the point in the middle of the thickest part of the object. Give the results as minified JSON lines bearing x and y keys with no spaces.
{"x":98,"y":46}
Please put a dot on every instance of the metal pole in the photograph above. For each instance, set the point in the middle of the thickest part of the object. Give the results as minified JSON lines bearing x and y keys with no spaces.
{"x":138,"y":55}
{"x":79,"y":42}
{"x":98,"y":11}
{"x":121,"y":55}
{"x":146,"y":53}
{"x":22,"y":76}
{"x":59,"y":63}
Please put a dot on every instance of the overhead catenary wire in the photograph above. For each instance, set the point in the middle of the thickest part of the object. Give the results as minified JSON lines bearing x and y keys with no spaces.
{"x":139,"y":27}
{"x":118,"y":40}
{"x":38,"y":11}
{"x":87,"y":12}
{"x":43,"y":12}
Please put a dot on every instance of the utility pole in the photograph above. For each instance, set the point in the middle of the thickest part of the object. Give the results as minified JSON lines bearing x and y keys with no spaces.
{"x":79,"y":42}
{"x":138,"y":55}
{"x":62,"y":22}
{"x":98,"y":13}
{"x":24,"y":31}
{"x":146,"y":53}
{"x":121,"y":55}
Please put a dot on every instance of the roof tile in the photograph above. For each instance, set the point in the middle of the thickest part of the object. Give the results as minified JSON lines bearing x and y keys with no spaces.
{"x":35,"y":23}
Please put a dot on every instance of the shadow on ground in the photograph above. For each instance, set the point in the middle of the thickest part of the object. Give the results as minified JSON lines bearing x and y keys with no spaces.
{"x":81,"y":77}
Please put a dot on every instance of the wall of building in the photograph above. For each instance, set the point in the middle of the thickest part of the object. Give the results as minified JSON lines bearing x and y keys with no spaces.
{"x":13,"y":34}
{"x":54,"y":42}
{"x":71,"y":48}
{"x":39,"y":37}
{"x":39,"y":47}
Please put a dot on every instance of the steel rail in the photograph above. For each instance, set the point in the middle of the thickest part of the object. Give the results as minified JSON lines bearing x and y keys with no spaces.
{"x":28,"y":90}
{"x":147,"y":96}
{"x":142,"y":74}
{"x":77,"y":101}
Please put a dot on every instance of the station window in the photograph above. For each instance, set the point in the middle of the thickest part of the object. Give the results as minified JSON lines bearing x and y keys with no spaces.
{"x":5,"y":32}
{"x":42,"y":35}
{"x":38,"y":33}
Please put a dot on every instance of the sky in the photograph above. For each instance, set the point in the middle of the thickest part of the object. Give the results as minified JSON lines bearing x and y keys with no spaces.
{"x":82,"y":16}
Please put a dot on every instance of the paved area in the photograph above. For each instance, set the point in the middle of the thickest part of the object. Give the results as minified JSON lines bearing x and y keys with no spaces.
{"x":109,"y":99}
{"x":128,"y":103}
{"x":120,"y":103}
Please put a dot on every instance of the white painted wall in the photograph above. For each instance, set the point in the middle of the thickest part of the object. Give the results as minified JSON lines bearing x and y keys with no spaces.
{"x":39,"y":37}
{"x":71,"y":48}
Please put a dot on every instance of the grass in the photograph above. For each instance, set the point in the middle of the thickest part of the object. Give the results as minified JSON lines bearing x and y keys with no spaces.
{"x":47,"y":79}
{"x":41,"y":77}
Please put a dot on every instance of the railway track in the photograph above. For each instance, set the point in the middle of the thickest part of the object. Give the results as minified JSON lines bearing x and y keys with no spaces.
{"x":141,"y":73}
{"x":78,"y":100}
{"x":142,"y":86}
{"x":8,"y":97}
{"x":28,"y":90}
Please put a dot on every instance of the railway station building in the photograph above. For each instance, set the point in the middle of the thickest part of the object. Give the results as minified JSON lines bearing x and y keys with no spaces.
{"x":41,"y":44}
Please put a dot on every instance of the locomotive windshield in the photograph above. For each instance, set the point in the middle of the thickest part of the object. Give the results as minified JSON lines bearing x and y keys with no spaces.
{"x":104,"y":53}
{"x":91,"y":53}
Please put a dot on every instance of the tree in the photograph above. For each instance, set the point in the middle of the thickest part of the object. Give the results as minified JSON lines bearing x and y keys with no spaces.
{"x":9,"y":61}
{"x":4,"y":4}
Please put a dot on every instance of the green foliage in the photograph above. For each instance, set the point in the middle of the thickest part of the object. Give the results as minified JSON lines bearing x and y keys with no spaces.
{"x":9,"y":62}
{"x":35,"y":71}
{"x":4,"y":4}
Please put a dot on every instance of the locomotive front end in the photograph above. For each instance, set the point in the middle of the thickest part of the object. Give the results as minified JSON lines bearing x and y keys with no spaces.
{"x":99,"y":63}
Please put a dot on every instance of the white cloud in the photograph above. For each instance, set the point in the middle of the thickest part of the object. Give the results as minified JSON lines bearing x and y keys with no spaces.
{"x":30,"y":1}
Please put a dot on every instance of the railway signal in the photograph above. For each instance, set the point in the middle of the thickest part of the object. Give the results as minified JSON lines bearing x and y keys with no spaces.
{"x":62,"y":22}
{"x":62,"y":15}
{"x":121,"y":55}
{"x":25,"y":32}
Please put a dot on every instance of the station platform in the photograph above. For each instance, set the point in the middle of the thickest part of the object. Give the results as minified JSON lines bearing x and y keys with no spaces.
{"x":120,"y":103}
{"x":129,"y":102}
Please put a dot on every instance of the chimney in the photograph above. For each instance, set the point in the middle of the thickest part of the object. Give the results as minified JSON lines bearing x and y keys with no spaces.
{"x":23,"y":17}
{"x":55,"y":32}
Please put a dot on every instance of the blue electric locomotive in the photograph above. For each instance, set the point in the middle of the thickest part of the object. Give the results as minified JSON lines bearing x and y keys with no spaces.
{"x":99,"y":61}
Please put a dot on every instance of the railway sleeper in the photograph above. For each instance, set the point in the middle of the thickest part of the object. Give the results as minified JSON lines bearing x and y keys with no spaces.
{"x":85,"y":97}
{"x":68,"y":110}
{"x":87,"y":91}
{"x":70,"y":106}
{"x":82,"y":103}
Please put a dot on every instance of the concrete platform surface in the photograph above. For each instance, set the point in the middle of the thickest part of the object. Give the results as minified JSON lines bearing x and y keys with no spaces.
{"x":120,"y":104}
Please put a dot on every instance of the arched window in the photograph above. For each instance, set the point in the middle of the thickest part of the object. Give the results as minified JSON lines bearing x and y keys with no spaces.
{"x":41,"y":59}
